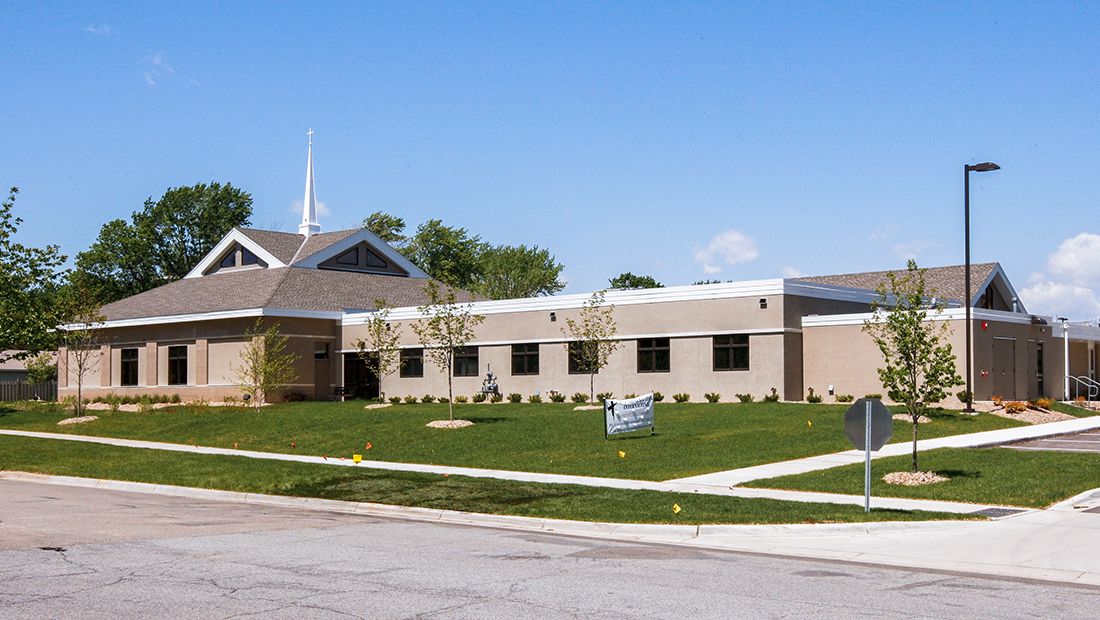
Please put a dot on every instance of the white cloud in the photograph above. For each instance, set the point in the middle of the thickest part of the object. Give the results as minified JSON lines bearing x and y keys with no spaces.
{"x":1070,"y":288}
{"x":1077,"y":261}
{"x":731,"y":246}
{"x":791,"y":272}
{"x":158,"y":67}
{"x":911,"y":250}
{"x":104,"y":29}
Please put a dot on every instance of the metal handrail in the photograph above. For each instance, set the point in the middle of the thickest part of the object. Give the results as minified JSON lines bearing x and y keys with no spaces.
{"x":1092,"y":385}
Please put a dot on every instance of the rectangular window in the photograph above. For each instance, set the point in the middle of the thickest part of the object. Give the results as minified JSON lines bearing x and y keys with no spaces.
{"x":580,"y":358}
{"x":320,"y":351}
{"x":465,"y":362}
{"x":731,"y":352}
{"x":129,"y":366}
{"x":653,"y":355}
{"x":525,"y":359}
{"x":177,"y":365}
{"x":412,"y":363}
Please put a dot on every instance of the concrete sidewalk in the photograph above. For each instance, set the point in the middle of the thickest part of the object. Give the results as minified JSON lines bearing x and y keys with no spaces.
{"x":718,"y":483}
{"x":1059,"y":544}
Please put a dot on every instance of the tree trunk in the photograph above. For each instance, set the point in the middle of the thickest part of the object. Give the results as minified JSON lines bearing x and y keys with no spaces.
{"x":591,"y":386}
{"x":914,"y":444}
{"x":450,"y":393}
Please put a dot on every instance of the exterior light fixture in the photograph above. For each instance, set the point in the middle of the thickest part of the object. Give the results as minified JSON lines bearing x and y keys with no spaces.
{"x":967,"y":169}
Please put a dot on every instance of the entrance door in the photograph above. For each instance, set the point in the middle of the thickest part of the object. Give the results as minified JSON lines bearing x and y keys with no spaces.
{"x":1004,"y":368}
{"x":358,"y":377}
{"x":1035,"y":369}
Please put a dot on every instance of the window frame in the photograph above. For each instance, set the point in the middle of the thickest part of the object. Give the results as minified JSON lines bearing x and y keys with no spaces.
{"x":128,"y":367}
{"x":465,"y":355}
{"x":730,"y":347}
{"x":177,"y":364}
{"x":652,"y":352}
{"x":412,"y":363}
{"x":524,"y":353}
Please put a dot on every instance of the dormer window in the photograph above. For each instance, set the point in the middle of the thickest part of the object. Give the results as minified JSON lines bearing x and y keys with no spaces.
{"x":373,"y":260}
{"x":230,"y":260}
{"x":351,"y":257}
{"x":248,"y":258}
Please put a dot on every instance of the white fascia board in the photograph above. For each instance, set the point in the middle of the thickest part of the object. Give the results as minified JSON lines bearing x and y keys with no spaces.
{"x":1076,"y":332}
{"x":697,"y":292}
{"x":225,"y":314}
{"x":341,"y":246}
{"x":234,"y":236}
{"x":951,"y":314}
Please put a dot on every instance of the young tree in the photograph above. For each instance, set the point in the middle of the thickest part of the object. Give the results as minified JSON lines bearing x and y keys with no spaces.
{"x":164,"y":241}
{"x":82,"y":338}
{"x":266,"y":367}
{"x":919,"y":363}
{"x":30,"y":303}
{"x":379,"y":350}
{"x":629,"y":280}
{"x":447,"y":326}
{"x":591,"y":341}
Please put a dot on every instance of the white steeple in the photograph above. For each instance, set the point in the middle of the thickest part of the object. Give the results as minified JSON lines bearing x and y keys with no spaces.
{"x":309,"y":223}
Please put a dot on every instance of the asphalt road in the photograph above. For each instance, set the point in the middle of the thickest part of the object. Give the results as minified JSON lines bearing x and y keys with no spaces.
{"x":70,"y":552}
{"x":1083,"y":442}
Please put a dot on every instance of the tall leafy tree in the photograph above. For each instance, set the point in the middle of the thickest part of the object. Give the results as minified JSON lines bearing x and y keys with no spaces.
{"x":389,"y":228}
{"x":30,"y":286}
{"x":919,"y":365}
{"x":629,"y":280}
{"x":163,"y":241}
{"x":510,"y":272}
{"x":448,"y":254}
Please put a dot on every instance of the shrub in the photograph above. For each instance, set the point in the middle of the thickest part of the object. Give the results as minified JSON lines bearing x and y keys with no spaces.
{"x":997,"y":400}
{"x":813,"y":398}
{"x":395,"y":400}
{"x":443,"y":399}
{"x":712,"y":397}
{"x":602,"y":396}
{"x":175,"y":400}
{"x":844,"y":398}
{"x":428,"y":398}
{"x":229,"y":400}
{"x":1014,"y":407}
{"x":557,"y":397}
{"x":479,"y":397}
{"x":515,"y":398}
{"x":872,"y":396}
{"x":580,"y":398}
{"x":534,"y":398}
{"x":773,"y":397}
{"x":658,"y":397}
{"x":962,"y":394}
{"x":410,"y":399}
{"x":745,"y":398}
{"x":1041,"y":403}
{"x":460,"y":399}
{"x":631,"y":395}
{"x":681,"y":397}
{"x":97,"y":399}
{"x":496,"y":398}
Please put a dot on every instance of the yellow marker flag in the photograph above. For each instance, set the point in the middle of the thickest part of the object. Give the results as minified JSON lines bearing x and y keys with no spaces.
{"x":809,"y":423}
{"x":676,"y":508}
{"x":357,"y":457}
{"x":622,"y":454}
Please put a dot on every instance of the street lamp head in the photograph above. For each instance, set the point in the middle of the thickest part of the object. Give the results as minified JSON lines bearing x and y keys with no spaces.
{"x":986,"y":167}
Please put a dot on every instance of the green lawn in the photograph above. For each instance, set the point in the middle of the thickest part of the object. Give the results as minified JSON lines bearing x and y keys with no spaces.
{"x":1032,"y":479}
{"x":693,"y":438}
{"x":482,"y":495}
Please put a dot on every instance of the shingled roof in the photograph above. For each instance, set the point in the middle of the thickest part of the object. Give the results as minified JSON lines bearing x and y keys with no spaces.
{"x":947,"y":282}
{"x":289,"y":247}
{"x":290,"y":288}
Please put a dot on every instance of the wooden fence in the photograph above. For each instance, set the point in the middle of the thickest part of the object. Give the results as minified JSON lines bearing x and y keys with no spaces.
{"x":18,"y":390}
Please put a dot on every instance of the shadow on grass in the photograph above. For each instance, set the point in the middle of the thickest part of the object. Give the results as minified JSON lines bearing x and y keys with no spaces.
{"x":956,"y":474}
{"x":484,"y":420}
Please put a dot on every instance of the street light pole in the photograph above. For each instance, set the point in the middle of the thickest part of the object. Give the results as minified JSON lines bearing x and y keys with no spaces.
{"x":986,"y":167}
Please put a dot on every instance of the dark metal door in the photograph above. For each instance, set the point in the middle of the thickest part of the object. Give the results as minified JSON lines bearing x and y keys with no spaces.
{"x":358,"y":377}
{"x":1004,"y":368}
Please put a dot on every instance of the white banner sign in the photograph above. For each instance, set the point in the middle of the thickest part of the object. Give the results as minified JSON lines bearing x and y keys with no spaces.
{"x":623,"y":416}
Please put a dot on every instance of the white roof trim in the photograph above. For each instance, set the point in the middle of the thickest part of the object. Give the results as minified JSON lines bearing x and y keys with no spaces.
{"x":355,"y":239}
{"x":753,"y":288}
{"x":234,"y":236}
{"x":997,"y":270}
{"x":951,"y":314}
{"x":214,"y":316}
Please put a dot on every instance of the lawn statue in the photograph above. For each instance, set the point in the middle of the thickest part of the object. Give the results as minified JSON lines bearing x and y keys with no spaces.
{"x":489,"y":385}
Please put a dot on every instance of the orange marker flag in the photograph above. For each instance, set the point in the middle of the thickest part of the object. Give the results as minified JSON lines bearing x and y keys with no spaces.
{"x":368,"y":445}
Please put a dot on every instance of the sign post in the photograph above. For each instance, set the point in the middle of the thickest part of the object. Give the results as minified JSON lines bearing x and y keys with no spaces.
{"x":868,"y":424}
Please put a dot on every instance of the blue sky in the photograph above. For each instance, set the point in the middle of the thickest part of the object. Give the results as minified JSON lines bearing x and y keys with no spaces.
{"x":729,"y":141}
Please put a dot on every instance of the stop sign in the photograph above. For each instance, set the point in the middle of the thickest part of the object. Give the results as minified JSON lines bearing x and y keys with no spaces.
{"x":855,"y":424}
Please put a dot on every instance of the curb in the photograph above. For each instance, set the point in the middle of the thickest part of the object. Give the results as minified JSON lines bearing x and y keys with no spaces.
{"x":773,"y":540}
